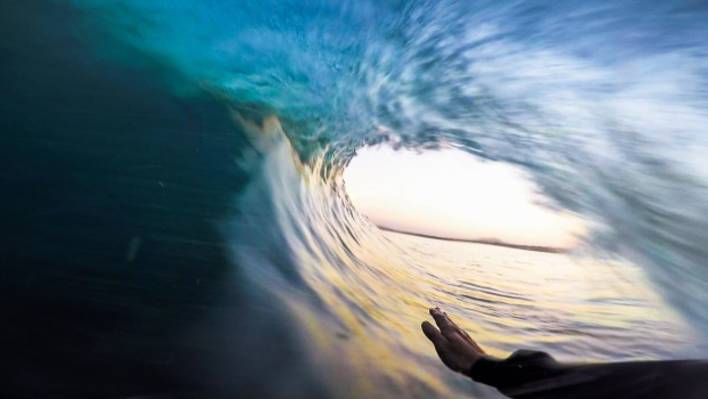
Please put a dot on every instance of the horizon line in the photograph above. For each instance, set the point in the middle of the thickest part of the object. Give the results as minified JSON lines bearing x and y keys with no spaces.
{"x":483,"y":241}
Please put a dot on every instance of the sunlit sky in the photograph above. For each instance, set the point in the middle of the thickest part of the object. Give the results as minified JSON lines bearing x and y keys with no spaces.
{"x":453,"y":194}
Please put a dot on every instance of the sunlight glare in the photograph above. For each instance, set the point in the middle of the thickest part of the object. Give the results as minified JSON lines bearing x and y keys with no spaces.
{"x":449,"y":193}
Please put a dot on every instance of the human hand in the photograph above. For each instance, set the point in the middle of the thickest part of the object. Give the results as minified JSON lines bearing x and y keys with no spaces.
{"x":455,"y":347}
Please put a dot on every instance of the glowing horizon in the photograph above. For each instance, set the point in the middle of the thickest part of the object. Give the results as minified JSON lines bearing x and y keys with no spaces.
{"x":452,"y":194}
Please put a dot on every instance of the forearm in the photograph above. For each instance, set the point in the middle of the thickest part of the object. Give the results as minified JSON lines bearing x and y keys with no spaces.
{"x":528,"y":374}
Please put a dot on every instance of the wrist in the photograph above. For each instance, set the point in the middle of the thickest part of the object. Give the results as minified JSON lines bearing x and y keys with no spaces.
{"x":481,"y":367}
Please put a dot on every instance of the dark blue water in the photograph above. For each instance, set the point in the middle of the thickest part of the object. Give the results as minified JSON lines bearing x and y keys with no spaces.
{"x":174,"y":219}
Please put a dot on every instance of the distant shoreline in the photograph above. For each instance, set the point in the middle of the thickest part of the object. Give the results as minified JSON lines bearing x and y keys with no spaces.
{"x":498,"y":243}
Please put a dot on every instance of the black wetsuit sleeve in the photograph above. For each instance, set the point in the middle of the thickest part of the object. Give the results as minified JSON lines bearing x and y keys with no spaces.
{"x":528,"y":374}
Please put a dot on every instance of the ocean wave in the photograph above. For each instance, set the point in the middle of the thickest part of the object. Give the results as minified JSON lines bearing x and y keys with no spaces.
{"x":605,"y":105}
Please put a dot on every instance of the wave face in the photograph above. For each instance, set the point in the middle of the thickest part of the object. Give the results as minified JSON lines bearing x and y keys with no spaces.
{"x":604,"y":104}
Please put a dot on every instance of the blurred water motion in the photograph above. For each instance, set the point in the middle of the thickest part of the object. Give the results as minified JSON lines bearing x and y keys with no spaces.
{"x":175,"y":218}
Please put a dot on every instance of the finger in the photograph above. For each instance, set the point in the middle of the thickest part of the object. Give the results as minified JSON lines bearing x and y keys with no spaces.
{"x":455,"y":327}
{"x":440,"y":319}
{"x":450,"y":322}
{"x":432,"y":334}
{"x":469,"y":340}
{"x":466,"y":336}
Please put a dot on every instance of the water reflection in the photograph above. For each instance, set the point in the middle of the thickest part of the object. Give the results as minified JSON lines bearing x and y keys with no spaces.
{"x":576,"y":308}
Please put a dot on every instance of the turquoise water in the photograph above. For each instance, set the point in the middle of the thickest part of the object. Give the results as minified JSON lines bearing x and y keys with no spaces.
{"x":175,"y":218}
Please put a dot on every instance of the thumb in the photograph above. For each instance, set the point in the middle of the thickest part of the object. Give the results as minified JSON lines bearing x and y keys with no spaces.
{"x":433,"y":334}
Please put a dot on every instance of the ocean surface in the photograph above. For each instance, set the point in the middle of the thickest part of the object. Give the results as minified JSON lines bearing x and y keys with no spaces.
{"x":175,"y":222}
